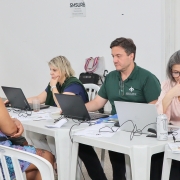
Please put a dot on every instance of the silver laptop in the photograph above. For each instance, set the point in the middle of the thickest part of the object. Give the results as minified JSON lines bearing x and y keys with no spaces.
{"x":142,"y":115}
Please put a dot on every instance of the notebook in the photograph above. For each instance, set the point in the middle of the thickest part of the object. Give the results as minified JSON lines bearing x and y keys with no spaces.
{"x":141,"y":114}
{"x":74,"y":107}
{"x":18,"y":100}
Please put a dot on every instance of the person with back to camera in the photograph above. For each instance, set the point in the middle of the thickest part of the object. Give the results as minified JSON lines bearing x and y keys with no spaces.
{"x":62,"y":81}
{"x":169,"y":101}
{"x":13,"y":128}
{"x":126,"y":78}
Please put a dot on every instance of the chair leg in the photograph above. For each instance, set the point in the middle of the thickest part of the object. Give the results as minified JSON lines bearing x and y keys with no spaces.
{"x":24,"y":176}
{"x":102,"y":157}
{"x":166,"y":168}
{"x":79,"y":168}
{"x":128,"y":168}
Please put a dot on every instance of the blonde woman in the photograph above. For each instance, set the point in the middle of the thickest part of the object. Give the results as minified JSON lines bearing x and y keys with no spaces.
{"x":62,"y":81}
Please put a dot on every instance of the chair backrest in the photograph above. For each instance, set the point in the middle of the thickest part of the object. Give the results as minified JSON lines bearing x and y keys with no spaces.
{"x":42,"y":164}
{"x":92,"y":90}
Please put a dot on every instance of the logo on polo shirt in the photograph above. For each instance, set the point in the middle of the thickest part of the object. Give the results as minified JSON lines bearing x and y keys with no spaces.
{"x":131,"y":93}
{"x":131,"y":89}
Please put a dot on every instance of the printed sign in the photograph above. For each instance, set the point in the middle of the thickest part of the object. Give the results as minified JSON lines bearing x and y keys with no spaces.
{"x":78,"y":8}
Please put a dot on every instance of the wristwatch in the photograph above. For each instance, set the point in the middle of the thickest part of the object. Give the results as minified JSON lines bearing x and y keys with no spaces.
{"x":52,"y":87}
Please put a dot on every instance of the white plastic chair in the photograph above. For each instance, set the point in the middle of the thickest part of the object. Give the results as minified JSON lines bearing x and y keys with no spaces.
{"x":92,"y":90}
{"x":168,"y":156}
{"x":42,"y":164}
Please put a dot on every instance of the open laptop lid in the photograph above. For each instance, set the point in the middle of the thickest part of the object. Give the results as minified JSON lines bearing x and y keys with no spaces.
{"x":73,"y":106}
{"x":141,"y":114}
{"x":16,"y":98}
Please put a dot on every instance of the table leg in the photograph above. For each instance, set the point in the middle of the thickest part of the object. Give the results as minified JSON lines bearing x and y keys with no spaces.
{"x":140,"y":162}
{"x":74,"y":158}
{"x":63,"y":154}
{"x":128,"y":168}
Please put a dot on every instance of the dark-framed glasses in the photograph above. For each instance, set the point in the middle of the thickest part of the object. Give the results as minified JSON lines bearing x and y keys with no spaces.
{"x":121,"y":88}
{"x":175,"y":74}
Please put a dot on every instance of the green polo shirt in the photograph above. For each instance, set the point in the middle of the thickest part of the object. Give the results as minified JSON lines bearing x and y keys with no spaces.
{"x":141,"y":86}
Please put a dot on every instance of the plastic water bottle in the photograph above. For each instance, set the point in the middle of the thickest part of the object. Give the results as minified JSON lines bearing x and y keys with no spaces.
{"x":162,"y":129}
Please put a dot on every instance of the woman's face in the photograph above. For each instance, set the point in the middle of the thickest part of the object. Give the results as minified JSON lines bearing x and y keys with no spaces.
{"x":54,"y":72}
{"x":176,"y":72}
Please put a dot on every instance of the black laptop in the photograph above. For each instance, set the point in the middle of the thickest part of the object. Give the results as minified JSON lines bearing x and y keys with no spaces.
{"x":18,"y":100}
{"x":74,"y":107}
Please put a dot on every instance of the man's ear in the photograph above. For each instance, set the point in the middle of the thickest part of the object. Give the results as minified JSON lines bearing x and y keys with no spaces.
{"x":131,"y":56}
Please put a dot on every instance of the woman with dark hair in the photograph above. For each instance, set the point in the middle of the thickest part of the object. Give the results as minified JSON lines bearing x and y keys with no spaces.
{"x":169,"y":100}
{"x":10,"y":127}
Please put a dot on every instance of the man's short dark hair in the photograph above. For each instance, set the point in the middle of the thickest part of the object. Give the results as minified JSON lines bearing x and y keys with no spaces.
{"x":126,"y":43}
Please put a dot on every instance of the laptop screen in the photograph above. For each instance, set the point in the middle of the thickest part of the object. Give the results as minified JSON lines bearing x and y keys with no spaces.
{"x":16,"y":98}
{"x":73,"y":106}
{"x":142,"y":115}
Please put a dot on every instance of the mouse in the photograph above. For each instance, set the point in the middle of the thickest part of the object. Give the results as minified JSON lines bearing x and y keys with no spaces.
{"x":116,"y":124}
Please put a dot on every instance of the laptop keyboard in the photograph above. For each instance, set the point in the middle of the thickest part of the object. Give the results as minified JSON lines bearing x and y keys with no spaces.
{"x":97,"y":116}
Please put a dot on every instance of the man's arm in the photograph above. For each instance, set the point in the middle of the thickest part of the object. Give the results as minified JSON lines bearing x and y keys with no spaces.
{"x":96,"y":103}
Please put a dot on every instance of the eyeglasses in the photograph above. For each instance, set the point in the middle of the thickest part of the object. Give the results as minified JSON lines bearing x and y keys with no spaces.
{"x":175,"y":74}
{"x":121,"y":88}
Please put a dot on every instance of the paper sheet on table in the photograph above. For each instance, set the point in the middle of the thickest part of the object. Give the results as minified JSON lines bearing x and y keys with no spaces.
{"x":35,"y":117}
{"x":57,"y":124}
{"x":175,"y":147}
{"x":51,"y":110}
{"x":98,"y":130}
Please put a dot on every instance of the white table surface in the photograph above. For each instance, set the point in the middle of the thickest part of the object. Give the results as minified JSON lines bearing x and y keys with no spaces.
{"x":62,"y":141}
{"x":140,"y":149}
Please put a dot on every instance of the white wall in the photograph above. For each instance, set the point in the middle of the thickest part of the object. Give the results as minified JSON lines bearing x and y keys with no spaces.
{"x":33,"y":32}
{"x":171,"y":29}
{"x":177,"y":25}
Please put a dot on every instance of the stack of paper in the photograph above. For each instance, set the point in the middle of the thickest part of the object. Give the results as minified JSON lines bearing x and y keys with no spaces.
{"x":57,"y":124}
{"x":98,"y":130}
{"x":175,"y":147}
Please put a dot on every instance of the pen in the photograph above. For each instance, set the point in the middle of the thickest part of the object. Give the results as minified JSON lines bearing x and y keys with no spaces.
{"x":58,"y":119}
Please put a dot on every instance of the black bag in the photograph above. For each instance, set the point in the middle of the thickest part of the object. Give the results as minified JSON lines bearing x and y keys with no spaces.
{"x":16,"y":141}
{"x":87,"y":78}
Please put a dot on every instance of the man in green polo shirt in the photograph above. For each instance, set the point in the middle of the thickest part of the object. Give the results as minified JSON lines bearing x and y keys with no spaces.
{"x":130,"y":83}
{"x":140,"y":86}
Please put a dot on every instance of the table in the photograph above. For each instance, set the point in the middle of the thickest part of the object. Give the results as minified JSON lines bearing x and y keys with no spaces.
{"x":140,"y":149}
{"x":62,"y":141}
